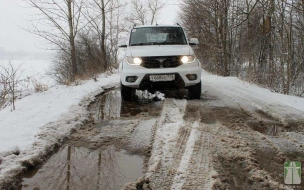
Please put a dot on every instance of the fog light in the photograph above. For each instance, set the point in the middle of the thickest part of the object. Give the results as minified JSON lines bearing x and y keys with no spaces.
{"x":191,"y":76}
{"x":131,"y":78}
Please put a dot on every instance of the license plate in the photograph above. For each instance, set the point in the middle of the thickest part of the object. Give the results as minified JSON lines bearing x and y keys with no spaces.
{"x":156,"y":78}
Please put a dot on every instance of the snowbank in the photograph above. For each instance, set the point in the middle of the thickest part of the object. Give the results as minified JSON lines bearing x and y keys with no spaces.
{"x":43,"y":120}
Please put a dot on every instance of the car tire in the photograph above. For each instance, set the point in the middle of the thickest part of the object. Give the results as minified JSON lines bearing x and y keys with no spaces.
{"x":194,"y":92}
{"x":127,"y":93}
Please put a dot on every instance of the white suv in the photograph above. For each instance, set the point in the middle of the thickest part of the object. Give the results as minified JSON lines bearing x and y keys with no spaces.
{"x":159,"y":58}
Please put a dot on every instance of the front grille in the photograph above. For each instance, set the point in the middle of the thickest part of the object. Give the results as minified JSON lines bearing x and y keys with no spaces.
{"x":161,"y":62}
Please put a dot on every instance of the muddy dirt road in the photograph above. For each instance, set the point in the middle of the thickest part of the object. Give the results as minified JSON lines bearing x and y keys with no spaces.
{"x":218,"y":142}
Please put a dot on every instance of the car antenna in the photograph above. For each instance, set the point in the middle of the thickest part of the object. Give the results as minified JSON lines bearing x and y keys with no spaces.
{"x":134,"y":25}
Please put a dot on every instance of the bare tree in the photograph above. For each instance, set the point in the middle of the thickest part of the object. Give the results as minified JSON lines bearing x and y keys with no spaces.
{"x":145,"y":12}
{"x":139,"y":12}
{"x":208,"y":20}
{"x":102,"y":7}
{"x":105,"y":21}
{"x":59,"y":23}
{"x":10,"y":78}
{"x":114,"y":29}
{"x":154,"y":7}
{"x":259,"y":40}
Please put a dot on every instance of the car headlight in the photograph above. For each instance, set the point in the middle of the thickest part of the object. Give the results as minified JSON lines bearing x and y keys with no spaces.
{"x":188,"y":58}
{"x":133,"y":60}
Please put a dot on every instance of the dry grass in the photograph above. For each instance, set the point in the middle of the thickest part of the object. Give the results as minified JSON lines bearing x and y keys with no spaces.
{"x":38,"y":86}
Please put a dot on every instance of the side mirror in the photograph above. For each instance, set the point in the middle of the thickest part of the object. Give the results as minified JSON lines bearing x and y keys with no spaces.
{"x":122,"y":44}
{"x":193,"y":41}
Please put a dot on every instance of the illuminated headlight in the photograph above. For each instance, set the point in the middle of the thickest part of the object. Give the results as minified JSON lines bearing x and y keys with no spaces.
{"x":188,"y":58}
{"x":133,"y":60}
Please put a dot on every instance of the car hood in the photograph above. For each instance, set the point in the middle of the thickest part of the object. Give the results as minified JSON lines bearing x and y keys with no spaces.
{"x":158,"y":50}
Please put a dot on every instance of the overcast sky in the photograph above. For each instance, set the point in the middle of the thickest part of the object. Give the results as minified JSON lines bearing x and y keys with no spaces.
{"x":14,"y":15}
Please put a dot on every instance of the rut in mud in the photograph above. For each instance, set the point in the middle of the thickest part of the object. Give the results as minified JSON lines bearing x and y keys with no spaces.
{"x":217,"y":146}
{"x":210,"y":143}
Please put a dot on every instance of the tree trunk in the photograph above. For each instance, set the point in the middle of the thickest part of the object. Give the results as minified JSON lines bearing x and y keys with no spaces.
{"x":103,"y":46}
{"x":13,"y":92}
{"x":72,"y":41}
{"x":282,"y":56}
{"x":225,"y":42}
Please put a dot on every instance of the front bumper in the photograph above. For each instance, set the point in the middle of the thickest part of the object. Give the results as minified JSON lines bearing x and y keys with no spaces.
{"x":143,"y":82}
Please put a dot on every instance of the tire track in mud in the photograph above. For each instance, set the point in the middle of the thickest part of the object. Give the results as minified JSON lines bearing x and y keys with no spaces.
{"x":259,"y":156}
{"x":171,"y":170}
{"x":199,"y":174}
{"x":188,"y":162}
{"x":238,"y":162}
{"x":228,"y":152}
{"x":170,"y":135}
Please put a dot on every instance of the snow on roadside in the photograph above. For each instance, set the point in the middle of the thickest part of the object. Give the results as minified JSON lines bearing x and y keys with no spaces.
{"x":43,"y":120}
{"x":252,"y":97}
{"x":18,"y":128}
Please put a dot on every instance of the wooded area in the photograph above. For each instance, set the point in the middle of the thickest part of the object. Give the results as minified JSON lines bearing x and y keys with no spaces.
{"x":261,"y":41}
{"x":85,"y":33}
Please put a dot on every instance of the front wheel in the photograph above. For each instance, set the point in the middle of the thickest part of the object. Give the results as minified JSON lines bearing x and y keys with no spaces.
{"x":127,"y":93}
{"x":194,"y":92}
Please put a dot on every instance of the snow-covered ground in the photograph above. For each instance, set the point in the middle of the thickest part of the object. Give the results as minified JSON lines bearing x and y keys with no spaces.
{"x":41,"y":119}
{"x":44,"y":118}
{"x":19,"y":127}
{"x":252,"y":97}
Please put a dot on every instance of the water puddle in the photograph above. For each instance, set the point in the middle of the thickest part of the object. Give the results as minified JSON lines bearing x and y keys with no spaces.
{"x":268,"y":126}
{"x":271,"y":129}
{"x":80,"y":168}
{"x":110,"y":106}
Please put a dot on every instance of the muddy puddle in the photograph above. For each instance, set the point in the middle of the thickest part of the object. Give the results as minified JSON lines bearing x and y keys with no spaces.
{"x":110,"y":106}
{"x":268,"y":129}
{"x":80,"y":168}
{"x":79,"y":165}
{"x":227,"y":116}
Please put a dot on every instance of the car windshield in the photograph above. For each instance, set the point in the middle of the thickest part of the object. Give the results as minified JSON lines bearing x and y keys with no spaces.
{"x":157,"y":36}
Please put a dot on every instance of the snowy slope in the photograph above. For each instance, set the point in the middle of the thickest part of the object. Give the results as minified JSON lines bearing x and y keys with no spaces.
{"x":42,"y":120}
{"x":251,"y":97}
{"x":18,"y":128}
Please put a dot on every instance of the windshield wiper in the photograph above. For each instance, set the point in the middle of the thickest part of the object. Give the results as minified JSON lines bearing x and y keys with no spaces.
{"x":139,"y":44}
{"x":172,"y":43}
